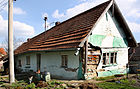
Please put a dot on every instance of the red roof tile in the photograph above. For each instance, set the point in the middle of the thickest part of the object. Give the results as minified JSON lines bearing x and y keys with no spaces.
{"x":68,"y":34}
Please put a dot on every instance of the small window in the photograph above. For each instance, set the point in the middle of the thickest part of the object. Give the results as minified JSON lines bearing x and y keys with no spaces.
{"x":64,"y":61}
{"x":109,"y":58}
{"x":19,"y":63}
{"x":27,"y":60}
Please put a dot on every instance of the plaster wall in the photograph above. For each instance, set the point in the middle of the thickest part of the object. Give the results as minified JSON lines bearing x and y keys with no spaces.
{"x":109,"y":35}
{"x":51,"y":62}
{"x":121,"y":59}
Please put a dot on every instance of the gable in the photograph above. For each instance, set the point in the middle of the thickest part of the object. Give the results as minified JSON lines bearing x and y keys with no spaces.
{"x":108,"y":33}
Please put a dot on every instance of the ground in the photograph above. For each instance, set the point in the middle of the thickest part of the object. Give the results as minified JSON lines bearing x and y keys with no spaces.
{"x":112,"y":82}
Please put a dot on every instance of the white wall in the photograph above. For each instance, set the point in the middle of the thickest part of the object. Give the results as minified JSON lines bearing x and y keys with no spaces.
{"x":105,"y":32}
{"x":51,"y":62}
{"x":122,"y":59}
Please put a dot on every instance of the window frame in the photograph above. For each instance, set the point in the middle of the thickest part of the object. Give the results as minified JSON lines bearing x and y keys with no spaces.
{"x":64,"y":61}
{"x":109,"y":60}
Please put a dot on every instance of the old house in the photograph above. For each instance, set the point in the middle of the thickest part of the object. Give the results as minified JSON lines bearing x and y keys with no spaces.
{"x":93,"y":43}
{"x":2,"y":54}
{"x":134,"y":59}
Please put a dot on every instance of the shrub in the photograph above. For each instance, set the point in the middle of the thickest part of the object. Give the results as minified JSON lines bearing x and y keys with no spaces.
{"x":30,"y":86}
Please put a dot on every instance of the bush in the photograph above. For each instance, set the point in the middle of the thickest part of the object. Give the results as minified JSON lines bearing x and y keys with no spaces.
{"x":30,"y":86}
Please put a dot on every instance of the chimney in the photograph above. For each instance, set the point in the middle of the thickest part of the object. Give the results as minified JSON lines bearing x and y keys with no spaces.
{"x":57,"y":23}
{"x":28,"y":39}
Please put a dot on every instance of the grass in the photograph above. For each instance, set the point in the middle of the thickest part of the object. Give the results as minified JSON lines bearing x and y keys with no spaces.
{"x":23,"y":85}
{"x":123,"y":84}
{"x":116,"y":83}
{"x":113,"y":85}
{"x":105,"y":78}
{"x":107,"y":83}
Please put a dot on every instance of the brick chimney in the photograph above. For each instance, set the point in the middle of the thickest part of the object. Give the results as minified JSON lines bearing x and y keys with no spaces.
{"x":28,"y":39}
{"x":57,"y":23}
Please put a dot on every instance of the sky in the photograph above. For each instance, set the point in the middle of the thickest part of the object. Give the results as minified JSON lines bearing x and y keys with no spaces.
{"x":29,"y":15}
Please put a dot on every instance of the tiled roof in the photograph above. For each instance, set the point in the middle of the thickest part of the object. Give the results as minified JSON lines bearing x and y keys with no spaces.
{"x":68,"y":34}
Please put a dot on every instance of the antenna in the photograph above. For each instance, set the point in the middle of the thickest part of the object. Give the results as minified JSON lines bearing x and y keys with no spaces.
{"x":45,"y":19}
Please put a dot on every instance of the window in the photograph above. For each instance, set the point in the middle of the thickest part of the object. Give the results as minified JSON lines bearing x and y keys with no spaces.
{"x":109,"y":58}
{"x":27,"y":60}
{"x":64,"y":61}
{"x":19,"y":63}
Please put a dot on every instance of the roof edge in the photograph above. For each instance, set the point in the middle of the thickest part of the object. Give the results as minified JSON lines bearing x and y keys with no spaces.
{"x":53,"y":50}
{"x":125,"y":23}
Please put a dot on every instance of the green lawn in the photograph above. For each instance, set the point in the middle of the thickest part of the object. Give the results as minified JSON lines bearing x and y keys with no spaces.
{"x":113,"y":85}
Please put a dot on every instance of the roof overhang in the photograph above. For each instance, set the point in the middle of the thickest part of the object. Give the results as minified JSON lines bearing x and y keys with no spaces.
{"x":53,"y":50}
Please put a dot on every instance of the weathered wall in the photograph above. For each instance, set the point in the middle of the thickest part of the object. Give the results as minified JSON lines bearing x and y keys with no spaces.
{"x":51,"y":62}
{"x":108,"y":33}
{"x":135,"y":66}
{"x":119,"y":67}
{"x":110,"y":37}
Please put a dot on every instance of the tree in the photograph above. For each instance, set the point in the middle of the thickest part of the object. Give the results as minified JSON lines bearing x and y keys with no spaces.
{"x":17,"y":43}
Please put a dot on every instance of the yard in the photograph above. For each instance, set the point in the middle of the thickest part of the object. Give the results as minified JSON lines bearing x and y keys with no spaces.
{"x":112,"y":82}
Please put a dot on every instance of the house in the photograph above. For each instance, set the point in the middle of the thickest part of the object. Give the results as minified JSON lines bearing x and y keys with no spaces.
{"x":92,"y":44}
{"x":134,"y":59}
{"x":2,"y":54}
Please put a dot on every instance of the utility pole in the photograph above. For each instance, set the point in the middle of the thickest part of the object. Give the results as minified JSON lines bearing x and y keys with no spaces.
{"x":10,"y":42}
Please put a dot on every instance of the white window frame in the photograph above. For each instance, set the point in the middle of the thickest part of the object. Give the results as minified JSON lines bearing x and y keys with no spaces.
{"x":107,"y":58}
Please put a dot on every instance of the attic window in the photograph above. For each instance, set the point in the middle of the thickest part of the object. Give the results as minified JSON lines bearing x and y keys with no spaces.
{"x":64,"y":61}
{"x":109,"y":58}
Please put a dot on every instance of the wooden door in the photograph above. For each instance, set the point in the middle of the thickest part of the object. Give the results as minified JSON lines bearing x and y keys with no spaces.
{"x":38,"y":61}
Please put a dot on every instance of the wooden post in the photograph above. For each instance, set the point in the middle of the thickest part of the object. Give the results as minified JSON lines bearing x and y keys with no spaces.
{"x":10,"y":42}
{"x":86,"y":55}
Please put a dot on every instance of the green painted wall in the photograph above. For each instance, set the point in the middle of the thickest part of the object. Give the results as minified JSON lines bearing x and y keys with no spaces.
{"x":118,"y":42}
{"x":112,"y":72}
{"x":98,"y":39}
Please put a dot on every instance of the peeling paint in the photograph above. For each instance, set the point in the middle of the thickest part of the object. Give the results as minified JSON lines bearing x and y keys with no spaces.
{"x":71,"y":69}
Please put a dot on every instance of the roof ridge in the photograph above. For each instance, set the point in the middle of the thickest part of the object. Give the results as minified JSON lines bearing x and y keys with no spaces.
{"x":73,"y":17}
{"x":84,"y":20}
